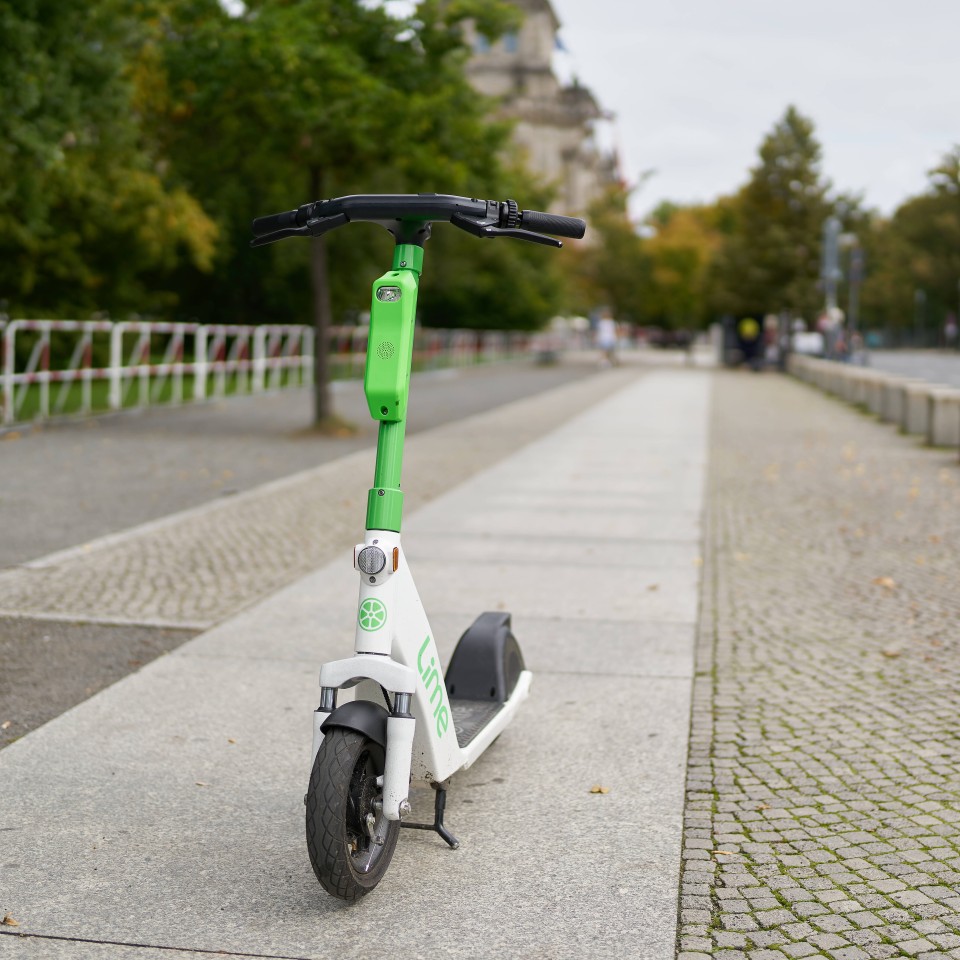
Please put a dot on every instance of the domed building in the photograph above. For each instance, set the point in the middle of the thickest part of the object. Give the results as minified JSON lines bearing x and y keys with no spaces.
{"x":554,"y":124}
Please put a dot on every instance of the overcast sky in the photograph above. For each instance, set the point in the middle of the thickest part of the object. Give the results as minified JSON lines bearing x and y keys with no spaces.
{"x":695,"y":85}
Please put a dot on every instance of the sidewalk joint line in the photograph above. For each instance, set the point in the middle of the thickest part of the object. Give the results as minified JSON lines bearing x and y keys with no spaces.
{"x":150,"y":946}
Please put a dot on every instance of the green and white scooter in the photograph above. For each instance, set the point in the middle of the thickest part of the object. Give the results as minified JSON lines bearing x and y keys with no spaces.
{"x":389,"y":714}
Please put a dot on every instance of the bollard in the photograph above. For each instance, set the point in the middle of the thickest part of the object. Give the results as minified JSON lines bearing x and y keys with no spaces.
{"x":893,"y":398}
{"x":873,"y":389}
{"x":916,"y":408}
{"x":943,"y":417}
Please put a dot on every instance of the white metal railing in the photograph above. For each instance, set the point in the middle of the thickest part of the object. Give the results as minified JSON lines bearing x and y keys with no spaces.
{"x":255,"y":357}
{"x":138,"y":359}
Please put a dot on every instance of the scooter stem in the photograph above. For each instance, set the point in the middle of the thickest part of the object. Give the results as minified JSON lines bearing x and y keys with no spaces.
{"x":386,"y":381}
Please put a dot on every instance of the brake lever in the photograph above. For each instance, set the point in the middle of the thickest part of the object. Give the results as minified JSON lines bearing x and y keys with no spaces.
{"x":488,"y":228}
{"x":279,"y":235}
{"x":312,"y":228}
{"x":528,"y":235}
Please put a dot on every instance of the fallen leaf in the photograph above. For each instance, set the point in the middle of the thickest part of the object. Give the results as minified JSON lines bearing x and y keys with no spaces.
{"x":728,"y":853}
{"x":231,"y":740}
{"x":6,"y":725}
{"x":200,"y":783}
{"x":891,"y":652}
{"x":698,"y":561}
{"x":8,"y":921}
{"x":763,"y":806}
{"x":653,"y":586}
{"x":12,"y":435}
{"x":934,"y":538}
{"x":596,"y":788}
{"x":887,"y":582}
{"x":740,"y":557}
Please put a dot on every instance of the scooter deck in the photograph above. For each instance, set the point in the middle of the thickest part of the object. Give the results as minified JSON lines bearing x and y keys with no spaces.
{"x":471,"y":716}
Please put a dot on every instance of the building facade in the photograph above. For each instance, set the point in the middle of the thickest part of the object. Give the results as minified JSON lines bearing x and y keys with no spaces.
{"x":554,"y":124}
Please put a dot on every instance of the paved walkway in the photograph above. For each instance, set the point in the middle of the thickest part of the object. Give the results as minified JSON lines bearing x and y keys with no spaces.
{"x":166,"y":812}
{"x":937,"y":366}
{"x":808,"y":629}
{"x":823,"y":804}
{"x":155,"y":552}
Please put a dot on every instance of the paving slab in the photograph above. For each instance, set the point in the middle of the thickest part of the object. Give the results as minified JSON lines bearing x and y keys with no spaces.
{"x":167,"y":810}
{"x":195,"y":567}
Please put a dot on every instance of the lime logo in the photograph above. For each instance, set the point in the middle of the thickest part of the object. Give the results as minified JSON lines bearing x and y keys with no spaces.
{"x":433,"y":684}
{"x":372,"y":615}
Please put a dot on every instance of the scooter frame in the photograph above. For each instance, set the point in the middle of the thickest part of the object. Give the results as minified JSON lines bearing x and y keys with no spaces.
{"x":394,"y":646}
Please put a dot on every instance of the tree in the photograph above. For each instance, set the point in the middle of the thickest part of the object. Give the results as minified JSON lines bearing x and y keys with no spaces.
{"x":304,"y":99}
{"x":770,"y":260}
{"x":88,"y":218}
{"x":682,"y":246}
{"x":917,"y":249}
{"x":614,"y":269}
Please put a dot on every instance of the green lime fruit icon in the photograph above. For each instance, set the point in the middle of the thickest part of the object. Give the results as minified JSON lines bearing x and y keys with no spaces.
{"x":372,"y":615}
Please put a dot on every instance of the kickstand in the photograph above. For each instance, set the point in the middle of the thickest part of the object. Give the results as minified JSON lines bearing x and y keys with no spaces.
{"x":440,"y":801}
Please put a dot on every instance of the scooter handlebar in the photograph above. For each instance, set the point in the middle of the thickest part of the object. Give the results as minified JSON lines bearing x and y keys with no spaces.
{"x":488,"y":218}
{"x":553,"y":224}
{"x":274,"y":222}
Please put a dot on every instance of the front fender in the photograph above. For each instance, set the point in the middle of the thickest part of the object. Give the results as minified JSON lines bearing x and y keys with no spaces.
{"x":362,"y":716}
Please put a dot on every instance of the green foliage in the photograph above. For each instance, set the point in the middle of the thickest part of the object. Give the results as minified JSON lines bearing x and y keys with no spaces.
{"x":917,"y":249}
{"x":770,"y":260}
{"x":614,"y":270}
{"x":312,"y":98}
{"x":681,"y":250}
{"x":87,"y":216}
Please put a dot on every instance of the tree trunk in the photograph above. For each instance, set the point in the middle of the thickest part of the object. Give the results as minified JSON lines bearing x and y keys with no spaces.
{"x":322,"y":312}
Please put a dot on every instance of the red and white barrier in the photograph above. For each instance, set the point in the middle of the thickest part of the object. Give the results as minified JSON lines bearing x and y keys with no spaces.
{"x":256,"y":356}
{"x":144,"y":356}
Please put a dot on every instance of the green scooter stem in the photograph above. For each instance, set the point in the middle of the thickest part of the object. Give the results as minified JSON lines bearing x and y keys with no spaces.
{"x":386,"y":381}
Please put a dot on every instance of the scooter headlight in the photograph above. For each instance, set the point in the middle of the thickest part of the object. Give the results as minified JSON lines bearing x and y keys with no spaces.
{"x":371,"y":560}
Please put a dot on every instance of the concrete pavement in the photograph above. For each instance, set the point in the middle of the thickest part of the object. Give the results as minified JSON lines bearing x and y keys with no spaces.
{"x":165,"y":814}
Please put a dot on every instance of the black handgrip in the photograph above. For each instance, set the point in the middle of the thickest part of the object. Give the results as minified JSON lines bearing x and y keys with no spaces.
{"x":553,"y":224}
{"x":276,"y":221}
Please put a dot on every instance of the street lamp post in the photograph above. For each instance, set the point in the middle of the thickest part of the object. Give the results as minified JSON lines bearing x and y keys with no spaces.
{"x":830,"y":271}
{"x":830,"y":274}
{"x":851,"y":242}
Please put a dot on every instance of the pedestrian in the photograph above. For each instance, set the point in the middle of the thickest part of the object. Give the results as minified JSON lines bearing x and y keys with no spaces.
{"x":748,"y":332}
{"x":607,"y":335}
{"x":950,"y":331}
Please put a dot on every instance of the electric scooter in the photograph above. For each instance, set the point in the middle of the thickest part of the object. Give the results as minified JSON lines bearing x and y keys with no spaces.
{"x":389,"y":714}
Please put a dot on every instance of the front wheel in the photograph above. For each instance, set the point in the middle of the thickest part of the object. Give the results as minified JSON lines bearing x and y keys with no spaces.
{"x":349,"y":840}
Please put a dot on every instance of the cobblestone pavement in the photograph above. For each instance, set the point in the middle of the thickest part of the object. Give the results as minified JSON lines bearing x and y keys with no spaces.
{"x":823,"y":803}
{"x":194,"y":568}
